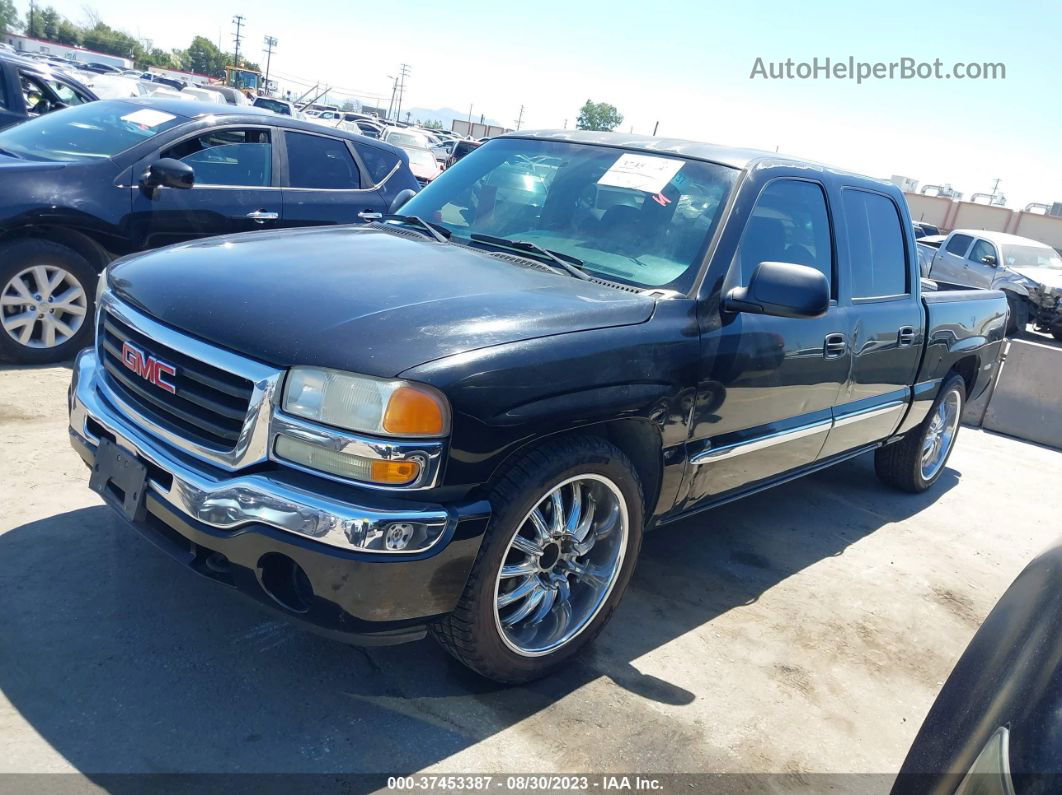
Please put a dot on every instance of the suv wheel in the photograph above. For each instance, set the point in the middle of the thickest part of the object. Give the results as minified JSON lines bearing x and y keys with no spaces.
{"x":562,"y":544}
{"x":915,"y":463}
{"x":46,"y":301}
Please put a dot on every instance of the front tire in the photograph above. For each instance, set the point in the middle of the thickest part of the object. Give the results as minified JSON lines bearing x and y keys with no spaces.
{"x":916,"y":463}
{"x":47,"y":300}
{"x":558,"y":555}
{"x":1019,"y":315}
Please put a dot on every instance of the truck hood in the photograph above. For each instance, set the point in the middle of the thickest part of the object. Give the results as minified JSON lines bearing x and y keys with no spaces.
{"x":359,"y":298}
{"x":1048,"y":277}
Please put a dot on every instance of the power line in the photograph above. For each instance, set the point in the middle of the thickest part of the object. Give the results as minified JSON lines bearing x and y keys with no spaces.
{"x":238,"y":21}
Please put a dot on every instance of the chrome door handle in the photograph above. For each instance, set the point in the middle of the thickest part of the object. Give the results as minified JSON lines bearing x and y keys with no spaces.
{"x":905,"y":336}
{"x":370,"y":215}
{"x":835,"y":346}
{"x":262,"y":215}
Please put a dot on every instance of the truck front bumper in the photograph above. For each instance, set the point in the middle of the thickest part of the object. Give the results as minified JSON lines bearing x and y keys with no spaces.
{"x":255,"y":532}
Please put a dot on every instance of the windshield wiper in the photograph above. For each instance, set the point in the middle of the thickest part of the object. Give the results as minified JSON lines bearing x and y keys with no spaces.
{"x":440,"y":233}
{"x":569,"y":264}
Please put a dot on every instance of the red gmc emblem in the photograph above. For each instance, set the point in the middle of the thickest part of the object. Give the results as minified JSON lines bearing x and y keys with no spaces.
{"x":148,"y":367}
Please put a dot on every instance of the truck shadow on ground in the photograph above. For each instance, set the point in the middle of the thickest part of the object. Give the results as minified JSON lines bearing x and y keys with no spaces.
{"x":124,"y":662}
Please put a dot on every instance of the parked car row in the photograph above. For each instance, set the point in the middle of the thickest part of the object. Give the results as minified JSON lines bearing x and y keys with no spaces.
{"x":103,"y":179}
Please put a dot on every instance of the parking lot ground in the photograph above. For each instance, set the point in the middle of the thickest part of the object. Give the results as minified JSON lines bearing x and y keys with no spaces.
{"x":804,"y":630}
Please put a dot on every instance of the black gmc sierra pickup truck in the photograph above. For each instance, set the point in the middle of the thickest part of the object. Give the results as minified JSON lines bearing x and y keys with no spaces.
{"x":460,"y":420}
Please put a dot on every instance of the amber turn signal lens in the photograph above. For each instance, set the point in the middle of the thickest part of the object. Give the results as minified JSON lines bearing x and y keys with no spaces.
{"x":394,"y":473}
{"x":415,"y":412}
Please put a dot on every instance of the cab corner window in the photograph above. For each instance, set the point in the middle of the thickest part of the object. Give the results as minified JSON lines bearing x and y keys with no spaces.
{"x":875,"y":244}
{"x":378,"y":161}
{"x":320,"y":163}
{"x":228,"y":158}
{"x":790,"y":224}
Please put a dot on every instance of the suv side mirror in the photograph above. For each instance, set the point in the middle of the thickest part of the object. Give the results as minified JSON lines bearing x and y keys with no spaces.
{"x":402,"y":197}
{"x":168,"y":173}
{"x":782,"y":289}
{"x":989,"y":260}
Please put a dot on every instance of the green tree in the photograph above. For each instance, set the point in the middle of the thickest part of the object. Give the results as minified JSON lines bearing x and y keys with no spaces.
{"x":50,"y":23}
{"x":68,"y":33}
{"x":204,"y":58}
{"x":599,"y":116}
{"x":8,"y":16}
{"x":35,"y":24}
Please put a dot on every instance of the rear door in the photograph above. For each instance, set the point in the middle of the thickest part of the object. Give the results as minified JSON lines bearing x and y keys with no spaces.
{"x":325,"y":182}
{"x":885,"y":320}
{"x":236,"y":187}
{"x":949,"y":265}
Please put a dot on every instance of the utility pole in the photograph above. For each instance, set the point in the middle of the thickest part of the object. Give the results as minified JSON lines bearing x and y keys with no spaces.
{"x":270,"y":43}
{"x":238,"y":21}
{"x":520,"y":118}
{"x":655,"y":128}
{"x":403,"y":73}
{"x":394,"y":93}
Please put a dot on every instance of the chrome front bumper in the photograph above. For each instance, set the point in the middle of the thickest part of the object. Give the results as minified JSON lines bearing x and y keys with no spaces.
{"x":227,"y":501}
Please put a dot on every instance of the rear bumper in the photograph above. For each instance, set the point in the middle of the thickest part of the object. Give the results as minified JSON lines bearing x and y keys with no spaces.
{"x":254,"y":533}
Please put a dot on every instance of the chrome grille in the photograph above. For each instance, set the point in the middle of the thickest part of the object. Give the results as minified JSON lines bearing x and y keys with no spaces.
{"x":208,"y":406}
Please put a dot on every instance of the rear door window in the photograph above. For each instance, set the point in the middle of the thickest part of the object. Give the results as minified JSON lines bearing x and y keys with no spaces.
{"x":320,"y":163}
{"x":875,"y":244}
{"x":958,"y":244}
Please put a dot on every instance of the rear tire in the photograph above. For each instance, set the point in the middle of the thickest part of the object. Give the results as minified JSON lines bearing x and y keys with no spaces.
{"x":570,"y":595}
{"x":47,"y":301}
{"x":916,"y":463}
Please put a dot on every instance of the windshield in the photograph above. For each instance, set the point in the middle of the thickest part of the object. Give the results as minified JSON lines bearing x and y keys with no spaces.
{"x":406,"y":139}
{"x":86,"y":132}
{"x":639,"y":218}
{"x":1032,"y":257}
{"x":421,"y":157}
{"x":274,"y":105}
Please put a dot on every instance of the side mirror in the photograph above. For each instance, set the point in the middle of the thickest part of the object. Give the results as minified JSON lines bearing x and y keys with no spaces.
{"x":400,"y":199}
{"x":168,"y":173}
{"x":781,"y":289}
{"x":989,"y":260}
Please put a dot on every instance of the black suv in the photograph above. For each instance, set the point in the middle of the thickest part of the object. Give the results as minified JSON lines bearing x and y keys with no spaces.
{"x":28,"y":89}
{"x":109,"y":178}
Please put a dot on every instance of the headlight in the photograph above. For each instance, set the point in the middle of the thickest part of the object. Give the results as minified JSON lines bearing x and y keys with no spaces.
{"x":365,"y":404}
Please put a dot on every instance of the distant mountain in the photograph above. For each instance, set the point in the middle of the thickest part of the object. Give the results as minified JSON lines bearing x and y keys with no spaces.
{"x":444,"y":116}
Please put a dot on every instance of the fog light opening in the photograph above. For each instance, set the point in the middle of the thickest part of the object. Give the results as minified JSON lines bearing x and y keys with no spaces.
{"x":285,"y":582}
{"x":398,"y":536}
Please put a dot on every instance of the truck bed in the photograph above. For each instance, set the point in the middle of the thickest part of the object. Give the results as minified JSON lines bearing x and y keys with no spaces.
{"x":961,"y":323}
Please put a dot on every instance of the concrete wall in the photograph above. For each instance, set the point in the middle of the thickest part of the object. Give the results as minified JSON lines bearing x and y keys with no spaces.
{"x":1045,"y":228}
{"x":1027,"y":399}
{"x":948,"y":215}
{"x":931,"y":209}
{"x":968,"y":215}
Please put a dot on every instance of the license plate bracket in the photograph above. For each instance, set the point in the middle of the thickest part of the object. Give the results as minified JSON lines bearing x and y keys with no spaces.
{"x":121,"y":479}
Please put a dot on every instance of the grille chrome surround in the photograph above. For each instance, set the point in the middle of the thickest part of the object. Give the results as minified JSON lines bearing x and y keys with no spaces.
{"x":251,"y":445}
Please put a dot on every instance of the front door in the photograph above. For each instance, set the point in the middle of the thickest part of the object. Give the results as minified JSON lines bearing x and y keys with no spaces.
{"x":768,"y":385}
{"x":981,"y":274}
{"x":236,"y":188}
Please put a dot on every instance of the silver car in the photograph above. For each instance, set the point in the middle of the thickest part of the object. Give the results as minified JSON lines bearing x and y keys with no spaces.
{"x":1027,"y":271}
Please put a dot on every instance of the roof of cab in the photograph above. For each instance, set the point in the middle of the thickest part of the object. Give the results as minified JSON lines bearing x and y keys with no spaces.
{"x":1000,"y":237}
{"x":734,"y":157}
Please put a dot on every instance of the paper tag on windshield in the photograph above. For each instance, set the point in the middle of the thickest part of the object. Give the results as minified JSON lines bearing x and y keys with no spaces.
{"x":641,"y":172}
{"x":148,"y":117}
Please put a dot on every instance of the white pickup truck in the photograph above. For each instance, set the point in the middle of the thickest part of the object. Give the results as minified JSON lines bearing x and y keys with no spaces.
{"x":1028,"y":272}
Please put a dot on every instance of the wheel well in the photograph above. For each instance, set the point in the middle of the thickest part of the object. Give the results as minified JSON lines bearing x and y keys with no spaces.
{"x":967,"y":368}
{"x":638,"y":439}
{"x":97,"y":256}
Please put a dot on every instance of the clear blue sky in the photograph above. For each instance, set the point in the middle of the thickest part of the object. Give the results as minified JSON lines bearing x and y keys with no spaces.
{"x":687,"y":65}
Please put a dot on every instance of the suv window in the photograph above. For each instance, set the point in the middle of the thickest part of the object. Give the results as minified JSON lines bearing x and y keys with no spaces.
{"x":321,"y":163}
{"x":788,"y":224}
{"x":958,"y":244}
{"x":378,"y":161}
{"x":67,"y":94}
{"x":875,"y":245}
{"x":37,"y":97}
{"x":982,"y":248}
{"x":240,"y":158}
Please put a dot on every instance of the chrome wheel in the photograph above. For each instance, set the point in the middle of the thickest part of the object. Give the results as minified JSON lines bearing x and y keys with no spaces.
{"x":43,"y":306}
{"x":940,"y":436}
{"x":561,"y":565}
